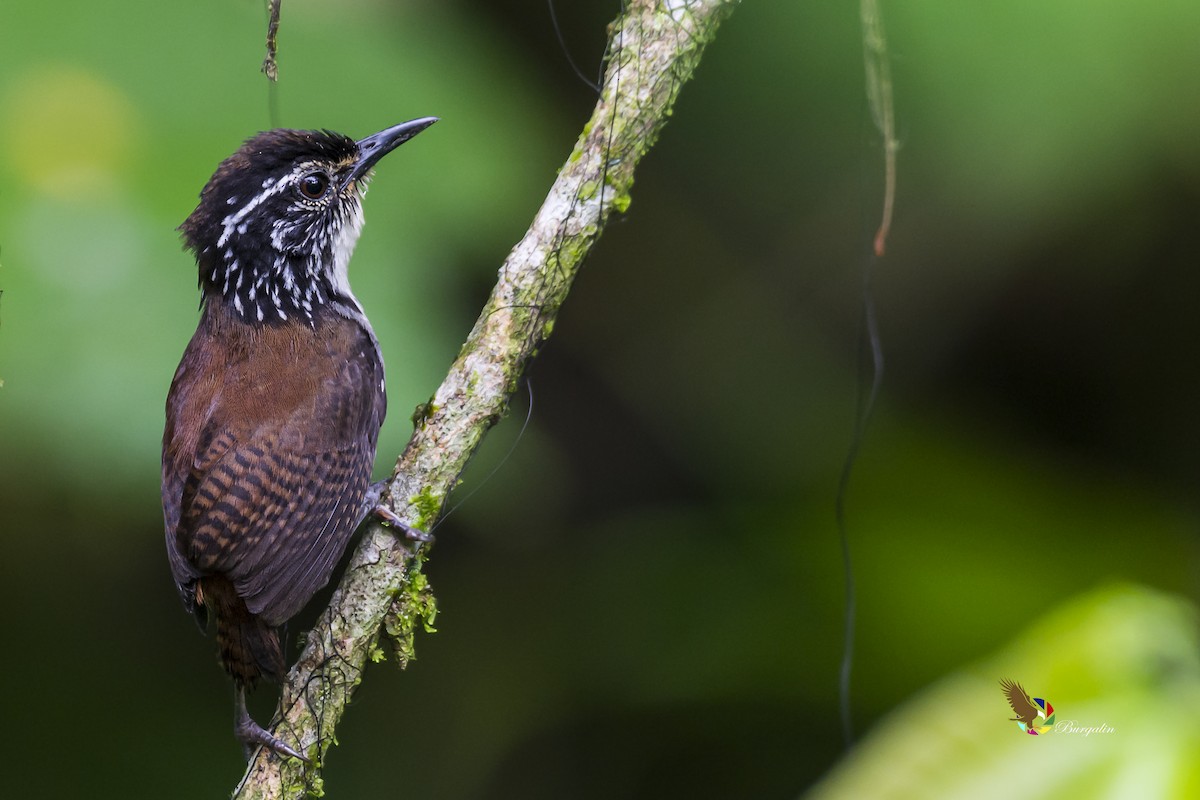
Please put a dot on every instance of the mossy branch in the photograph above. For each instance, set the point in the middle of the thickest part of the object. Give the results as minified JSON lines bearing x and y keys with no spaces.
{"x":654,"y":47}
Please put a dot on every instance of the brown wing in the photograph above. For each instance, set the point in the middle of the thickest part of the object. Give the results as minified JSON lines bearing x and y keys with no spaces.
{"x":1019,"y":701}
{"x":272,"y":519}
{"x":264,"y":479}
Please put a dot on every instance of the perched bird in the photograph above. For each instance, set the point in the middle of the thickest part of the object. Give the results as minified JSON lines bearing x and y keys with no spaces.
{"x":275,"y":409}
{"x":1018,"y":699}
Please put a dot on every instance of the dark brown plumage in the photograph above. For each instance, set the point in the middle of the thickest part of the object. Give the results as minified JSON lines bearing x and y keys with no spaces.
{"x":1026,"y":712}
{"x":274,"y":412}
{"x":269,"y":446}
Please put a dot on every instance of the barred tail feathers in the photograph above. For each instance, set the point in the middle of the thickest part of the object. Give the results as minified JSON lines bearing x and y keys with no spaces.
{"x":249,"y":647}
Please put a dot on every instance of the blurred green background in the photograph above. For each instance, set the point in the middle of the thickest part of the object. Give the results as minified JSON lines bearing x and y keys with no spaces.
{"x":645,"y":600}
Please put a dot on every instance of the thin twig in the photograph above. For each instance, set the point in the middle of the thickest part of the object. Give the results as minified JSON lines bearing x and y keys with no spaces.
{"x":270,"y":67}
{"x":879,"y":96}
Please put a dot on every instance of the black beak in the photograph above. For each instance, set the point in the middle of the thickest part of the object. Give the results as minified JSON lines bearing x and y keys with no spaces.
{"x":378,"y":145}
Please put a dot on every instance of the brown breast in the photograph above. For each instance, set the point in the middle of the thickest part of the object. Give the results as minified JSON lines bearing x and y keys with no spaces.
{"x":267,"y":454}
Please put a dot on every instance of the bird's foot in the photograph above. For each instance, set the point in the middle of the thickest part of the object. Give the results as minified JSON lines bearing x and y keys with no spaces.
{"x":251,"y":734}
{"x":373,"y":506}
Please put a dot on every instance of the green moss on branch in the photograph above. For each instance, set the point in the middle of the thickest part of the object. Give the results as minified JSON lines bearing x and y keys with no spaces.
{"x":653,"y":49}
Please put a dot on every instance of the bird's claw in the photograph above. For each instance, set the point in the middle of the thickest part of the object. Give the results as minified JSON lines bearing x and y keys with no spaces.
{"x":391,"y":517}
{"x":250,"y":733}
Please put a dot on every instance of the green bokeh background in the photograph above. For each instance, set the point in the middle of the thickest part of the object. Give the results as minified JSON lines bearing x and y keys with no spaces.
{"x":646,"y":599}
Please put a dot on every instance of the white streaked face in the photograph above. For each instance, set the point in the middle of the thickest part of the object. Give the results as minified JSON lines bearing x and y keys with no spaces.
{"x":274,"y":233}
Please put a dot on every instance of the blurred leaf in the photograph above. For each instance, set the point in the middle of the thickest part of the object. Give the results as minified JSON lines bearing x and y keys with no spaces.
{"x":1124,"y":661}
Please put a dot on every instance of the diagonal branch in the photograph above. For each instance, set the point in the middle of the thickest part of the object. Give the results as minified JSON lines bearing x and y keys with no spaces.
{"x":654,"y":47}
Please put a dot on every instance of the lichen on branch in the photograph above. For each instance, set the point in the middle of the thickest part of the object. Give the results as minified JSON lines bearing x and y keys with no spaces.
{"x":654,"y":47}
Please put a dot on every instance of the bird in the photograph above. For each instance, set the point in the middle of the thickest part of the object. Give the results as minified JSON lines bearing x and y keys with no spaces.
{"x":1018,"y":699}
{"x":273,"y":415}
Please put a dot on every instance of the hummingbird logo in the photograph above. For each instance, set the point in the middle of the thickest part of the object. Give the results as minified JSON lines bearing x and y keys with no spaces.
{"x":1035,"y":716}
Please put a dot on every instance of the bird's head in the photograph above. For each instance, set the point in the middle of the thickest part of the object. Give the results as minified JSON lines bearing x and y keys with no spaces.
{"x":278,"y":220}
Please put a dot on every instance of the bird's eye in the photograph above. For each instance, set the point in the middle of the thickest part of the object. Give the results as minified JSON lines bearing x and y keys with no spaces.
{"x":314,"y":185}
